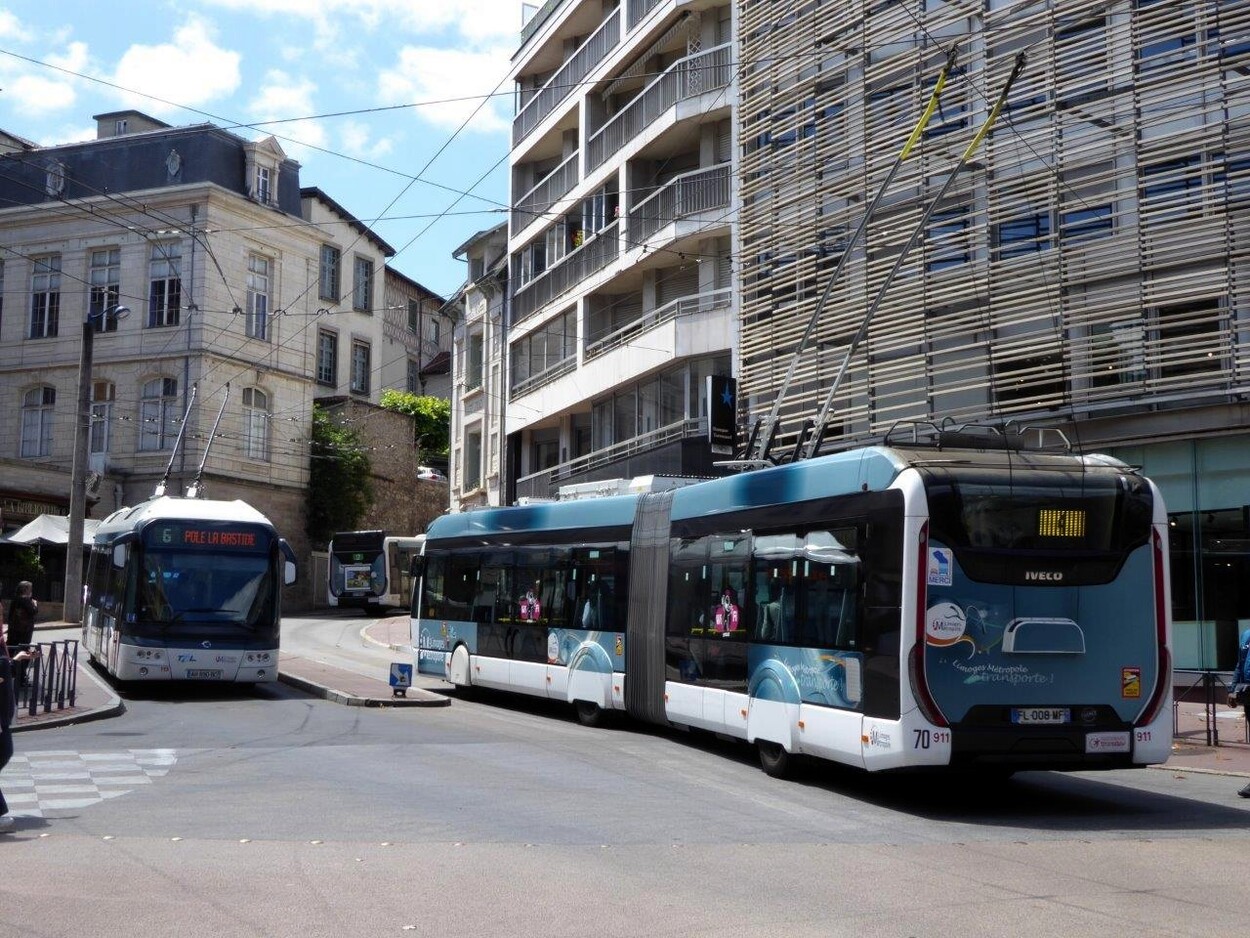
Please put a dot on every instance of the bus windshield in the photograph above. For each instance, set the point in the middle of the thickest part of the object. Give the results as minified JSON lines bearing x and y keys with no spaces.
{"x":211,"y":593}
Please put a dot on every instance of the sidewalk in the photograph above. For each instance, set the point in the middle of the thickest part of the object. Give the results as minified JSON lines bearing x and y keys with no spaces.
{"x":93,"y":700}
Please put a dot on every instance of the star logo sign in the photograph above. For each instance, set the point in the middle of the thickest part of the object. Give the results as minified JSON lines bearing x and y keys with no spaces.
{"x":726,"y":398}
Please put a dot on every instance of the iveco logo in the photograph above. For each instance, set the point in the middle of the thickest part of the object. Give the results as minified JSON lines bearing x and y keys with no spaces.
{"x":1042,"y":575}
{"x":206,"y":644}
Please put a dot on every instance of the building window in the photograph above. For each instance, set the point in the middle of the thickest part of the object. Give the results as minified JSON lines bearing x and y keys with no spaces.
{"x":1116,"y":353}
{"x":104,"y":278}
{"x":328,"y":281}
{"x":1,"y":291}
{"x":1191,"y":339}
{"x":264,"y":185}
{"x":258,"y":296}
{"x":1026,"y":235}
{"x":103,"y":393}
{"x":158,"y":415}
{"x":414,"y":316}
{"x":473,"y":363}
{"x":119,"y":126}
{"x":1085,"y":224}
{"x":360,"y":367}
{"x":472,"y":460}
{"x":165,"y":285}
{"x":414,"y":377}
{"x":362,"y":285}
{"x":1172,"y":189}
{"x":255,"y":423}
{"x":38,"y":405}
{"x":1034,"y":380}
{"x":947,"y":240}
{"x":327,"y":357}
{"x":45,"y":297}
{"x":435,"y":333}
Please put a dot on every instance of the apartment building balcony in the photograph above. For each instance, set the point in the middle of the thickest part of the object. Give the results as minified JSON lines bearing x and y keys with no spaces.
{"x":590,"y":258}
{"x":687,"y":78}
{"x":534,"y":205}
{"x":568,"y":77}
{"x":679,"y":449}
{"x":685,"y":197}
{"x":684,"y":312}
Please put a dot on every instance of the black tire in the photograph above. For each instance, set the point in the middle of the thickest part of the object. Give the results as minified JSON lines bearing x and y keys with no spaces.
{"x":774,"y":759}
{"x":588,"y":714}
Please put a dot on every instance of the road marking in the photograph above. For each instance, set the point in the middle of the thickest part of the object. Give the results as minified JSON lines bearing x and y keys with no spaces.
{"x":36,"y":782}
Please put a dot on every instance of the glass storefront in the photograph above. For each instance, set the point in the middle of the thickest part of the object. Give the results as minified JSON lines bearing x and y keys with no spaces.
{"x":1206,"y":487}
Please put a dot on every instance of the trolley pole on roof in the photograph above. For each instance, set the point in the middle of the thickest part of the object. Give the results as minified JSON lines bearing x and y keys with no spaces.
{"x":768,"y":431}
{"x":911,"y":241}
{"x":196,"y":486}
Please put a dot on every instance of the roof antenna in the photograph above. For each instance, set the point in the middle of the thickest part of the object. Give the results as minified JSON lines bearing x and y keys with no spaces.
{"x":194,"y":489}
{"x":160,"y":486}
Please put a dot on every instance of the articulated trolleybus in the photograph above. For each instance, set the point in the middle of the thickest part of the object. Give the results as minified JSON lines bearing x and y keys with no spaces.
{"x":889,"y":607}
{"x":186,"y":589}
{"x":372,"y":570}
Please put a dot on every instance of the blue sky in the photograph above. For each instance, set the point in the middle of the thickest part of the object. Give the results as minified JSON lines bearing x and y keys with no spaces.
{"x":409,"y":83}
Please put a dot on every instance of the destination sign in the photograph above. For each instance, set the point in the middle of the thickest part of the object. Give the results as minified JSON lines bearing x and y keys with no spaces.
{"x":200,"y":535}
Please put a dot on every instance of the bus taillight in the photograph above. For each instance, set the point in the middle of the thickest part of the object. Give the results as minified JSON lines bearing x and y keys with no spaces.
{"x":915,"y":661}
{"x":1163,"y":684}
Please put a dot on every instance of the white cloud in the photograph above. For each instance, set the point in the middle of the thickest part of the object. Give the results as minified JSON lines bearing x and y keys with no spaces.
{"x":460,"y":80}
{"x":190,"y":70}
{"x":74,"y":59}
{"x":32,"y":95}
{"x":12,"y":30}
{"x":355,"y":141}
{"x":282,"y":98}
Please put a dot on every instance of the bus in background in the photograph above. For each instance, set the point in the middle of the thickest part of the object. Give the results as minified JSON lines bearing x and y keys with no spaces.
{"x":370,"y":570}
{"x":889,"y":607}
{"x":186,"y":589}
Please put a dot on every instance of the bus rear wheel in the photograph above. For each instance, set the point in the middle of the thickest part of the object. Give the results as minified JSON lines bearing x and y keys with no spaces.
{"x":588,"y":713}
{"x":774,"y":759}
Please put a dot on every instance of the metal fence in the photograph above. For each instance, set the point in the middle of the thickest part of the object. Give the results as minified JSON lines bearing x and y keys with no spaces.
{"x":48,"y":681}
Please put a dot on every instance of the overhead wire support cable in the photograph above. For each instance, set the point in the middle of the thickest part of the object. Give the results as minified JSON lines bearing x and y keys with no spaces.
{"x":981,"y":134}
{"x":769,"y":430}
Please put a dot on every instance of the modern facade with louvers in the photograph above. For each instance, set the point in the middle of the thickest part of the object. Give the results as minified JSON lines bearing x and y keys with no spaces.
{"x":1089,"y":269}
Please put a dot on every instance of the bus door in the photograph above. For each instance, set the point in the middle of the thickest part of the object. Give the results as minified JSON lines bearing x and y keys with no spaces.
{"x":705,"y":641}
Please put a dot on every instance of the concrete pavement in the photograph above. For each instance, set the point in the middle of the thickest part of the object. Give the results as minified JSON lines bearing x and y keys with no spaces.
{"x":1210,"y":737}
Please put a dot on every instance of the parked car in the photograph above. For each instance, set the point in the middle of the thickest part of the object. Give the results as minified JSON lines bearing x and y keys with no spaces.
{"x":430,"y":473}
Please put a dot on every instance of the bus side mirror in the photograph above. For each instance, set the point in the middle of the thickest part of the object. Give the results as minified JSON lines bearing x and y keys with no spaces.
{"x":290,"y":572}
{"x":119,"y":555}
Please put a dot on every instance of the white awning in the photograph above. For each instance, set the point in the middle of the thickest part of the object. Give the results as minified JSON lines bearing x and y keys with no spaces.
{"x":51,"y":529}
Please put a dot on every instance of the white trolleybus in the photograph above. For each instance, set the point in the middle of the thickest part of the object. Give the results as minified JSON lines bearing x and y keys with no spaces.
{"x":371,"y":570}
{"x":186,"y":589}
{"x":889,"y":607}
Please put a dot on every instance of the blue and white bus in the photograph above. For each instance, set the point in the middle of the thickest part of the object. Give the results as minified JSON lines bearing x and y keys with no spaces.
{"x":186,"y":589}
{"x":887,"y":607}
{"x":371,"y":570}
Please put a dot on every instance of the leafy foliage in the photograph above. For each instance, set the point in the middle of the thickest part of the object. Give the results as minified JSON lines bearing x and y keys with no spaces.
{"x":21,"y":564}
{"x":431,"y":416}
{"x":339,"y":485}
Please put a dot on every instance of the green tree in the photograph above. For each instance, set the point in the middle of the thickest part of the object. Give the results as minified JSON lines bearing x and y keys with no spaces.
{"x":339,"y":485}
{"x":431,"y":417}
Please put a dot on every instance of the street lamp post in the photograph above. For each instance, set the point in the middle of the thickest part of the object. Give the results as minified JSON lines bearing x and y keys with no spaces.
{"x":78,"y":476}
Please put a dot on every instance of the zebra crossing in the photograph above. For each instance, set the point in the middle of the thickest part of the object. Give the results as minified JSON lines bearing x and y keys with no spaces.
{"x":35,"y":783}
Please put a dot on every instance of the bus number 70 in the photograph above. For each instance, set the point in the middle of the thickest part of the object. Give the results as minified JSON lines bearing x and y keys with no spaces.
{"x":926,"y":738}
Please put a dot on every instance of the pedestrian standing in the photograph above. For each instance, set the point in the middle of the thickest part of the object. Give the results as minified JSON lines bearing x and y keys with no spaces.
{"x":8,"y":707}
{"x":21,"y":623}
{"x":1240,"y":692}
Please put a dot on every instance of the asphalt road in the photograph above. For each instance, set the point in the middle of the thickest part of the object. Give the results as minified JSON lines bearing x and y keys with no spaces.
{"x":271,"y":813}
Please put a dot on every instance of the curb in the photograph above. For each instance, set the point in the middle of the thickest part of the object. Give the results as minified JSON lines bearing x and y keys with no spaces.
{"x":389,"y":646}
{"x":351,"y":700}
{"x":114,"y":707}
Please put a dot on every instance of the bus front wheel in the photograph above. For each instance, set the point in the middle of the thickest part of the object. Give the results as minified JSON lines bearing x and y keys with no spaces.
{"x":774,"y":759}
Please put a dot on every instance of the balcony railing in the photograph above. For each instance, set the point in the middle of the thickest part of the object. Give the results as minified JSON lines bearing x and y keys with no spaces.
{"x":536,"y":482}
{"x":538,"y":19}
{"x":682,"y":306}
{"x":685,"y":78}
{"x":568,"y":77}
{"x":555,"y":185}
{"x":697,"y":191}
{"x":591,"y":257}
{"x":638,"y":9}
{"x":546,"y":376}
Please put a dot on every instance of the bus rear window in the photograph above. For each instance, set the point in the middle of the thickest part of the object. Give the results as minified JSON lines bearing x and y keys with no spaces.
{"x":1047,"y":512}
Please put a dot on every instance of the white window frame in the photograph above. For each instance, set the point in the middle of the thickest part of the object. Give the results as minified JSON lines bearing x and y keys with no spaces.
{"x":330,"y":273}
{"x":165,"y":275}
{"x":328,"y":365}
{"x":258,"y":276}
{"x":38,"y":409}
{"x":104,"y":291}
{"x":158,"y":415}
{"x":362,"y":354}
{"x":256,"y":424}
{"x":45,"y":297}
{"x":103,"y":394}
{"x":362,"y":284}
